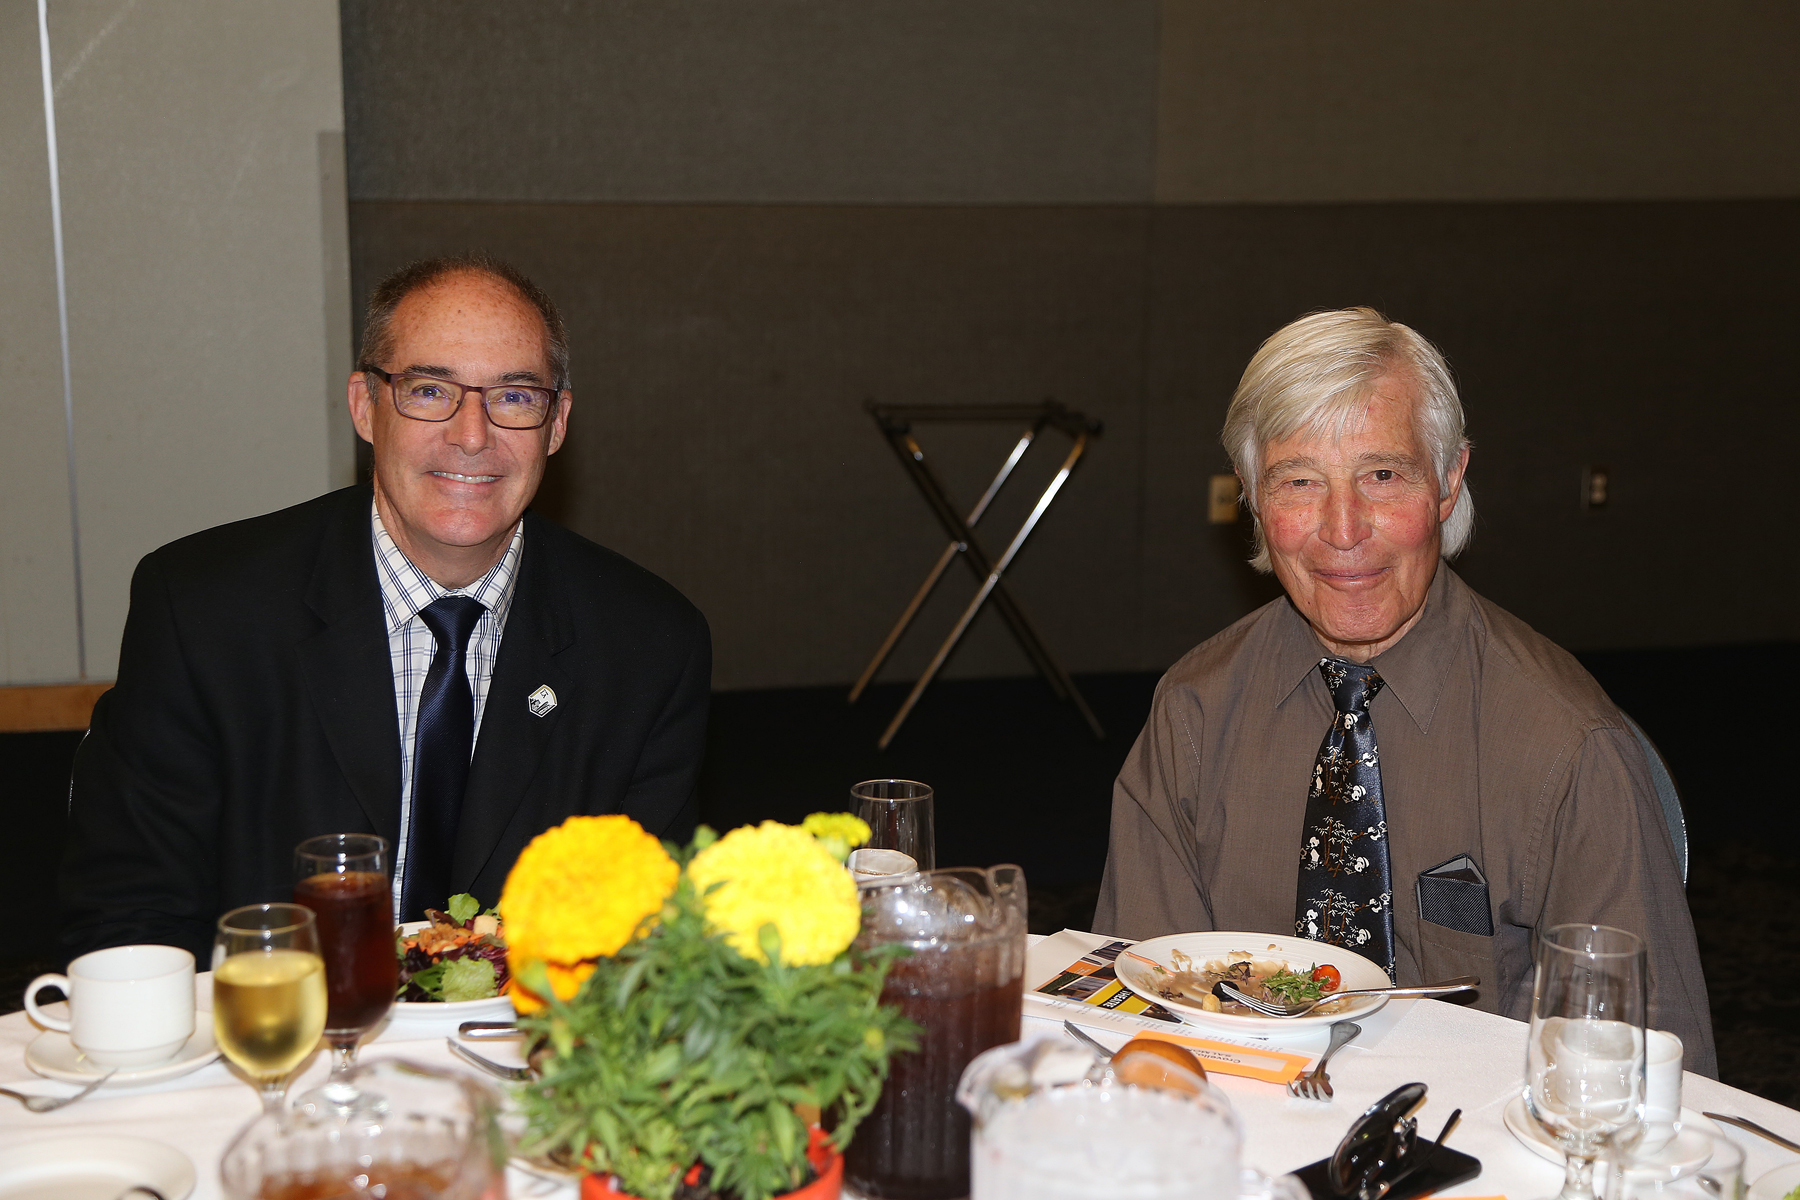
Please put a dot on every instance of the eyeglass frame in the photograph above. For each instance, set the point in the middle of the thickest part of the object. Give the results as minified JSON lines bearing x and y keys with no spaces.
{"x":463,"y":390}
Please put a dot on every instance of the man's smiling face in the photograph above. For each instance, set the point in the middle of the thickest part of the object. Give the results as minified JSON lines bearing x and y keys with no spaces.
{"x":450,"y":492}
{"x":1352,"y":523}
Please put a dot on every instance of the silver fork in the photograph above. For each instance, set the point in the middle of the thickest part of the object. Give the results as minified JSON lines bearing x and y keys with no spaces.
{"x":1316,"y":1084}
{"x":52,"y":1103}
{"x":1224,"y":991}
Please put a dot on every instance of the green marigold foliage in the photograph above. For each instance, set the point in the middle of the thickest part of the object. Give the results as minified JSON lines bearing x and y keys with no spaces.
{"x":680,"y":1050}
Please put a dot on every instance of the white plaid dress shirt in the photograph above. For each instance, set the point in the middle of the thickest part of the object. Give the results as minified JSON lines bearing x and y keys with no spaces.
{"x":404,"y":591}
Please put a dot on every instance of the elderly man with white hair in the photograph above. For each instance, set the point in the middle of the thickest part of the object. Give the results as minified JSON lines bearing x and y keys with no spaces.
{"x":1383,"y":759}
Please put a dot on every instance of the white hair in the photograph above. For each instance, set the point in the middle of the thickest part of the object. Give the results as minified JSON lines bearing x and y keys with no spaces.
{"x":1311,"y":376}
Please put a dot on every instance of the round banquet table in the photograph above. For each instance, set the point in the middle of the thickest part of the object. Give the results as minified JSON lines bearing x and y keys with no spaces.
{"x":1470,"y":1060}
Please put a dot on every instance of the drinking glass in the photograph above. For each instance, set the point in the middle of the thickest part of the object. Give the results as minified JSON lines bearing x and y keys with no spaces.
{"x":343,"y":878}
{"x":268,"y":993}
{"x":1584,"y":1056}
{"x":899,"y":815}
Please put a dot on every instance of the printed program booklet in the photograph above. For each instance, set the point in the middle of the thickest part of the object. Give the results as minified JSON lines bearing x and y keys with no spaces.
{"x":1079,"y":984}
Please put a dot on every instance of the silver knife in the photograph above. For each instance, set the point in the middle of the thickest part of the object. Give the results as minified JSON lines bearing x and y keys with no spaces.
{"x":1753,"y":1127}
{"x":511,"y":1074}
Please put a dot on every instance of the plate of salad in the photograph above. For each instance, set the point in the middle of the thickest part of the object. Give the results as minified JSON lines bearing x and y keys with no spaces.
{"x":453,"y":966}
{"x":1179,"y":971}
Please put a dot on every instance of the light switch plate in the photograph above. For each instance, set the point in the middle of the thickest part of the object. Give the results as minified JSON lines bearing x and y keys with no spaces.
{"x":1222,"y":500}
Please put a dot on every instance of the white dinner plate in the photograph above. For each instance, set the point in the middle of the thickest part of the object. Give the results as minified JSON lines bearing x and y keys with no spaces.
{"x":92,"y":1167}
{"x":1299,"y":954}
{"x":1776,"y":1184}
{"x":1682,"y":1149}
{"x":54,"y":1056}
{"x":428,"y":1018}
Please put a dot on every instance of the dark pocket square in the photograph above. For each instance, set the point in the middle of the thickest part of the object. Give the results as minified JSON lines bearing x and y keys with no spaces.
{"x":1454,"y":894}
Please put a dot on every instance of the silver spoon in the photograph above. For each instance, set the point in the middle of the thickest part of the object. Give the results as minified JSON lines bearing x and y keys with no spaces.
{"x":1224,"y":991}
{"x":52,"y":1103}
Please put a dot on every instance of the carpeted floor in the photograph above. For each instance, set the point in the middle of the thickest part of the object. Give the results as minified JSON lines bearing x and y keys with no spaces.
{"x":1019,"y":778}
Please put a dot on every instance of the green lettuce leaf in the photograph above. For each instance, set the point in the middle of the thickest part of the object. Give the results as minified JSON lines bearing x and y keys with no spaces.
{"x":468,"y":979}
{"x":431,"y":979}
{"x":462,"y":907}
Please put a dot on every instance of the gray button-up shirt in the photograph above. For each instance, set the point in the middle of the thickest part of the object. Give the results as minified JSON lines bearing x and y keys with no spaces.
{"x":1494,"y":743}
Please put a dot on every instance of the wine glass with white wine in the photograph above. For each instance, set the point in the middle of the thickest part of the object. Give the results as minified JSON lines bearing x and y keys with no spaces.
{"x":268,"y":993}
{"x":1584,"y":1056}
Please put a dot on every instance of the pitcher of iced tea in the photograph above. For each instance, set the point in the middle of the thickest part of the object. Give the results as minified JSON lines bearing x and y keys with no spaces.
{"x":963,"y":983}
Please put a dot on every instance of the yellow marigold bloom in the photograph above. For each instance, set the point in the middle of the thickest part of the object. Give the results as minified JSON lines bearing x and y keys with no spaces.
{"x":778,"y":874}
{"x":565,"y":981}
{"x":581,"y":890}
{"x":837,"y":832}
{"x":848,"y":826}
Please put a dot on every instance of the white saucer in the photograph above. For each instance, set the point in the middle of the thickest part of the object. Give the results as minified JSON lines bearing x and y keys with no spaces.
{"x":1681,"y":1149}
{"x":1773,"y":1185}
{"x":91,"y":1167}
{"x":54,"y":1056}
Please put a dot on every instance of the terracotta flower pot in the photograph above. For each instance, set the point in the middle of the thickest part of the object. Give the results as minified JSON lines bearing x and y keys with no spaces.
{"x":826,"y":1161}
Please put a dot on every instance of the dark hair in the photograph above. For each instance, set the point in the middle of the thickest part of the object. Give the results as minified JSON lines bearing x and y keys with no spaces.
{"x":378,"y":341}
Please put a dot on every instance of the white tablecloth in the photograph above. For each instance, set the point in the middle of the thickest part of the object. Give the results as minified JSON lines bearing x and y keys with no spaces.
{"x":1469,"y":1059}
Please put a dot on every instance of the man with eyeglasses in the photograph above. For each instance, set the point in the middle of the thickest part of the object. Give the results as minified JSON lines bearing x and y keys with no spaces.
{"x":418,"y":656}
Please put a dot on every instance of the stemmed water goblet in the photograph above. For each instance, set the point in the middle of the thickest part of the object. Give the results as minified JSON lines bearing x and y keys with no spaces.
{"x":1584,"y":1055}
{"x":343,"y":878}
{"x":268,"y":993}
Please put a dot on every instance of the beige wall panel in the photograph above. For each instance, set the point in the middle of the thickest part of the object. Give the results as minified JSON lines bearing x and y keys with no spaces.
{"x":858,"y":101}
{"x":37,"y":564}
{"x":192,"y":203}
{"x":721,"y":359}
{"x":1298,"y":101}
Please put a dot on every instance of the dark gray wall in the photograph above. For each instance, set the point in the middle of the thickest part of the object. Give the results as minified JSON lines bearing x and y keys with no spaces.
{"x":950,"y":249}
{"x":780,"y":100}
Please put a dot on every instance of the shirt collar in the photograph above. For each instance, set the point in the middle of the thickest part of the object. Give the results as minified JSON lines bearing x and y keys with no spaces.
{"x":1413,"y":669}
{"x":405,"y":589}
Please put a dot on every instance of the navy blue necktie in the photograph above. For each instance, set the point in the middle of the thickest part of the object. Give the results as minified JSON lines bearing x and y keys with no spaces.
{"x":442,"y":745}
{"x":1346,"y":892}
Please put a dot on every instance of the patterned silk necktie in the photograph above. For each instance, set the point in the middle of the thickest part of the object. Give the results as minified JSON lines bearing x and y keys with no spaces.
{"x":444,"y":741}
{"x":1346,"y":890}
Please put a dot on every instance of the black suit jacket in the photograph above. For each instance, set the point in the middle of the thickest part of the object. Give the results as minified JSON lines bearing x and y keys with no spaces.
{"x":255,"y":708}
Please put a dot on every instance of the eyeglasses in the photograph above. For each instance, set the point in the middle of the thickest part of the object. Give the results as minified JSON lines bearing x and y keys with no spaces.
{"x":1382,"y":1147}
{"x":508,"y":405}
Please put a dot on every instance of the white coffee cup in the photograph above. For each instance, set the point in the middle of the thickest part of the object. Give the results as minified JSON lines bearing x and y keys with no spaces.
{"x":129,"y":1006}
{"x":1662,"y":1088}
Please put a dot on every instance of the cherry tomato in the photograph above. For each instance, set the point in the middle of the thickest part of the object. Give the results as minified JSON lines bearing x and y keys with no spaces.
{"x":1328,"y":976}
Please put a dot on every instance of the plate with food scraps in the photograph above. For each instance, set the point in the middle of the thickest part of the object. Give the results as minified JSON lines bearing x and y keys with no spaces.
{"x":1178,"y":972}
{"x":424,"y":1018}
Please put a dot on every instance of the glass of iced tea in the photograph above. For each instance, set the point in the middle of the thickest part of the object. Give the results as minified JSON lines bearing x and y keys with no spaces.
{"x":268,"y":993}
{"x":343,"y":878}
{"x":438,"y":1140}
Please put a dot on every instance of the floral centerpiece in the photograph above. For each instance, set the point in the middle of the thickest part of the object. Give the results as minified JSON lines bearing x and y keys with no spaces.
{"x":698,"y":1009}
